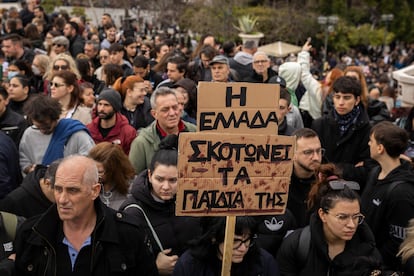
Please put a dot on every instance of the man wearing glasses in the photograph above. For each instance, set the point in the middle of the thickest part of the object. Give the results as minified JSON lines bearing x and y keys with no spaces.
{"x":50,"y":138}
{"x":262,"y":71}
{"x":306,"y":161}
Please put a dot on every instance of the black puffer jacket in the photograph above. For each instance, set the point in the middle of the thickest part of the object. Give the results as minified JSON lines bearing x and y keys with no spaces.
{"x":358,"y":258}
{"x":174,"y":232}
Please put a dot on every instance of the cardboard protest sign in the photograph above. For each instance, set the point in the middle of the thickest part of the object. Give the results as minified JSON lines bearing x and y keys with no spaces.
{"x":237,"y":107}
{"x":233,"y":174}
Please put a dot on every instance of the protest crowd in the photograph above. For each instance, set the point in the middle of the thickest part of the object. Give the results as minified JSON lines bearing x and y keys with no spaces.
{"x":90,"y":118}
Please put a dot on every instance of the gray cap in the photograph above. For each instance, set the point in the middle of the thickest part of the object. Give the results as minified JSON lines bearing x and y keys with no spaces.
{"x":111,"y":96}
{"x":219,"y":59}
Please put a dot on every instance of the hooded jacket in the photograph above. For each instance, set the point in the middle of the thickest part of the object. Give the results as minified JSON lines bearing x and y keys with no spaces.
{"x":242,"y":63}
{"x":122,"y":133}
{"x":27,"y":200}
{"x":358,"y":258}
{"x":311,"y":101}
{"x":291,"y":73}
{"x":388,"y":212}
{"x":174,"y":232}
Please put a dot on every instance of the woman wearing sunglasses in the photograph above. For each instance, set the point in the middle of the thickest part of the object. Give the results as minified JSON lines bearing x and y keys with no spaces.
{"x":62,"y":62}
{"x":206,"y":253}
{"x":337,"y":241}
{"x":65,"y":88}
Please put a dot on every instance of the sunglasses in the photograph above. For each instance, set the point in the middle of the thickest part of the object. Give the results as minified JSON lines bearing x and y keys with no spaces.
{"x":340,"y":185}
{"x":57,"y":85}
{"x":59,"y":45}
{"x":61,"y":67}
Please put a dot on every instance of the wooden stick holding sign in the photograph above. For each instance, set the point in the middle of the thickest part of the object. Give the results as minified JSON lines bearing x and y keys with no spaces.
{"x":236,"y":165}
{"x":228,"y":245}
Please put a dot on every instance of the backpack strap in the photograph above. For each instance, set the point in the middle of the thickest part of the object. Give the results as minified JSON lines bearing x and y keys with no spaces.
{"x":154,"y":234}
{"x":10,"y":224}
{"x":304,"y":244}
{"x":391,"y":187}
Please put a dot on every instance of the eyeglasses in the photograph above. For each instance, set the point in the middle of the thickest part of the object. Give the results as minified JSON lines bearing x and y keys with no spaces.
{"x":311,"y":152}
{"x":55,"y":44}
{"x":341,"y":184}
{"x":57,"y":85}
{"x":344,"y":218}
{"x":249,"y":242}
{"x":60,"y":67}
{"x":260,"y":61}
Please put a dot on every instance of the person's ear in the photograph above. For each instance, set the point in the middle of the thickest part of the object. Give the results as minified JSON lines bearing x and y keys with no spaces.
{"x":96,"y":189}
{"x":358,"y":100}
{"x":71,"y":87}
{"x":154,"y":113}
{"x":322,"y":215}
{"x":380,"y":148}
{"x":26,"y":89}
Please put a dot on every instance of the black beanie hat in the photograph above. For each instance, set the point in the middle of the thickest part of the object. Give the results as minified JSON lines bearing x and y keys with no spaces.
{"x":111,"y":96}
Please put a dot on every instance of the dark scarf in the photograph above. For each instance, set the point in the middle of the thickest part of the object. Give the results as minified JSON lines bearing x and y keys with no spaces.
{"x":345,"y":121}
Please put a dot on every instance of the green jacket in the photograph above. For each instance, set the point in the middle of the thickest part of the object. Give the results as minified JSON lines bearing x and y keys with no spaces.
{"x":146,"y":143}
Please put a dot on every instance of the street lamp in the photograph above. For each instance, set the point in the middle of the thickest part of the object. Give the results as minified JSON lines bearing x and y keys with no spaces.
{"x":328,"y":22}
{"x":387,"y":18}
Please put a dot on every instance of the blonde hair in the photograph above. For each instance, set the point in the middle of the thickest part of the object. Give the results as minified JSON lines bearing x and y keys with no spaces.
{"x":70,"y":62}
{"x":407,"y":246}
{"x":44,"y":61}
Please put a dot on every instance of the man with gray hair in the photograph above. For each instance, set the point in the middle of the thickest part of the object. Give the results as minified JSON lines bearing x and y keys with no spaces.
{"x":91,"y":49}
{"x":242,"y":61}
{"x":166,"y":111}
{"x":261,"y":69}
{"x":79,"y":235}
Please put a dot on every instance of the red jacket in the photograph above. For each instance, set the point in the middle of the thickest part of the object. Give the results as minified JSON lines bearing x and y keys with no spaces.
{"x":122,"y":133}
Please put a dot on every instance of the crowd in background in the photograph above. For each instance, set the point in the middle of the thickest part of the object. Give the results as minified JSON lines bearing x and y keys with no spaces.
{"x":121,"y":98}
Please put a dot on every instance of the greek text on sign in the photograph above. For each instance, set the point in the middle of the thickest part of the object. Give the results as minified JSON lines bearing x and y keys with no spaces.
{"x":237,"y":107}
{"x":233,"y":174}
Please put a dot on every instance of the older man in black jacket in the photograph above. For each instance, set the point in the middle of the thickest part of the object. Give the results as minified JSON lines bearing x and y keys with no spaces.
{"x":80,"y":235}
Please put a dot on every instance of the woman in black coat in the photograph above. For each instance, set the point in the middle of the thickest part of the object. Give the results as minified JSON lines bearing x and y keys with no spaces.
{"x":337,"y":241}
{"x":153,"y":205}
